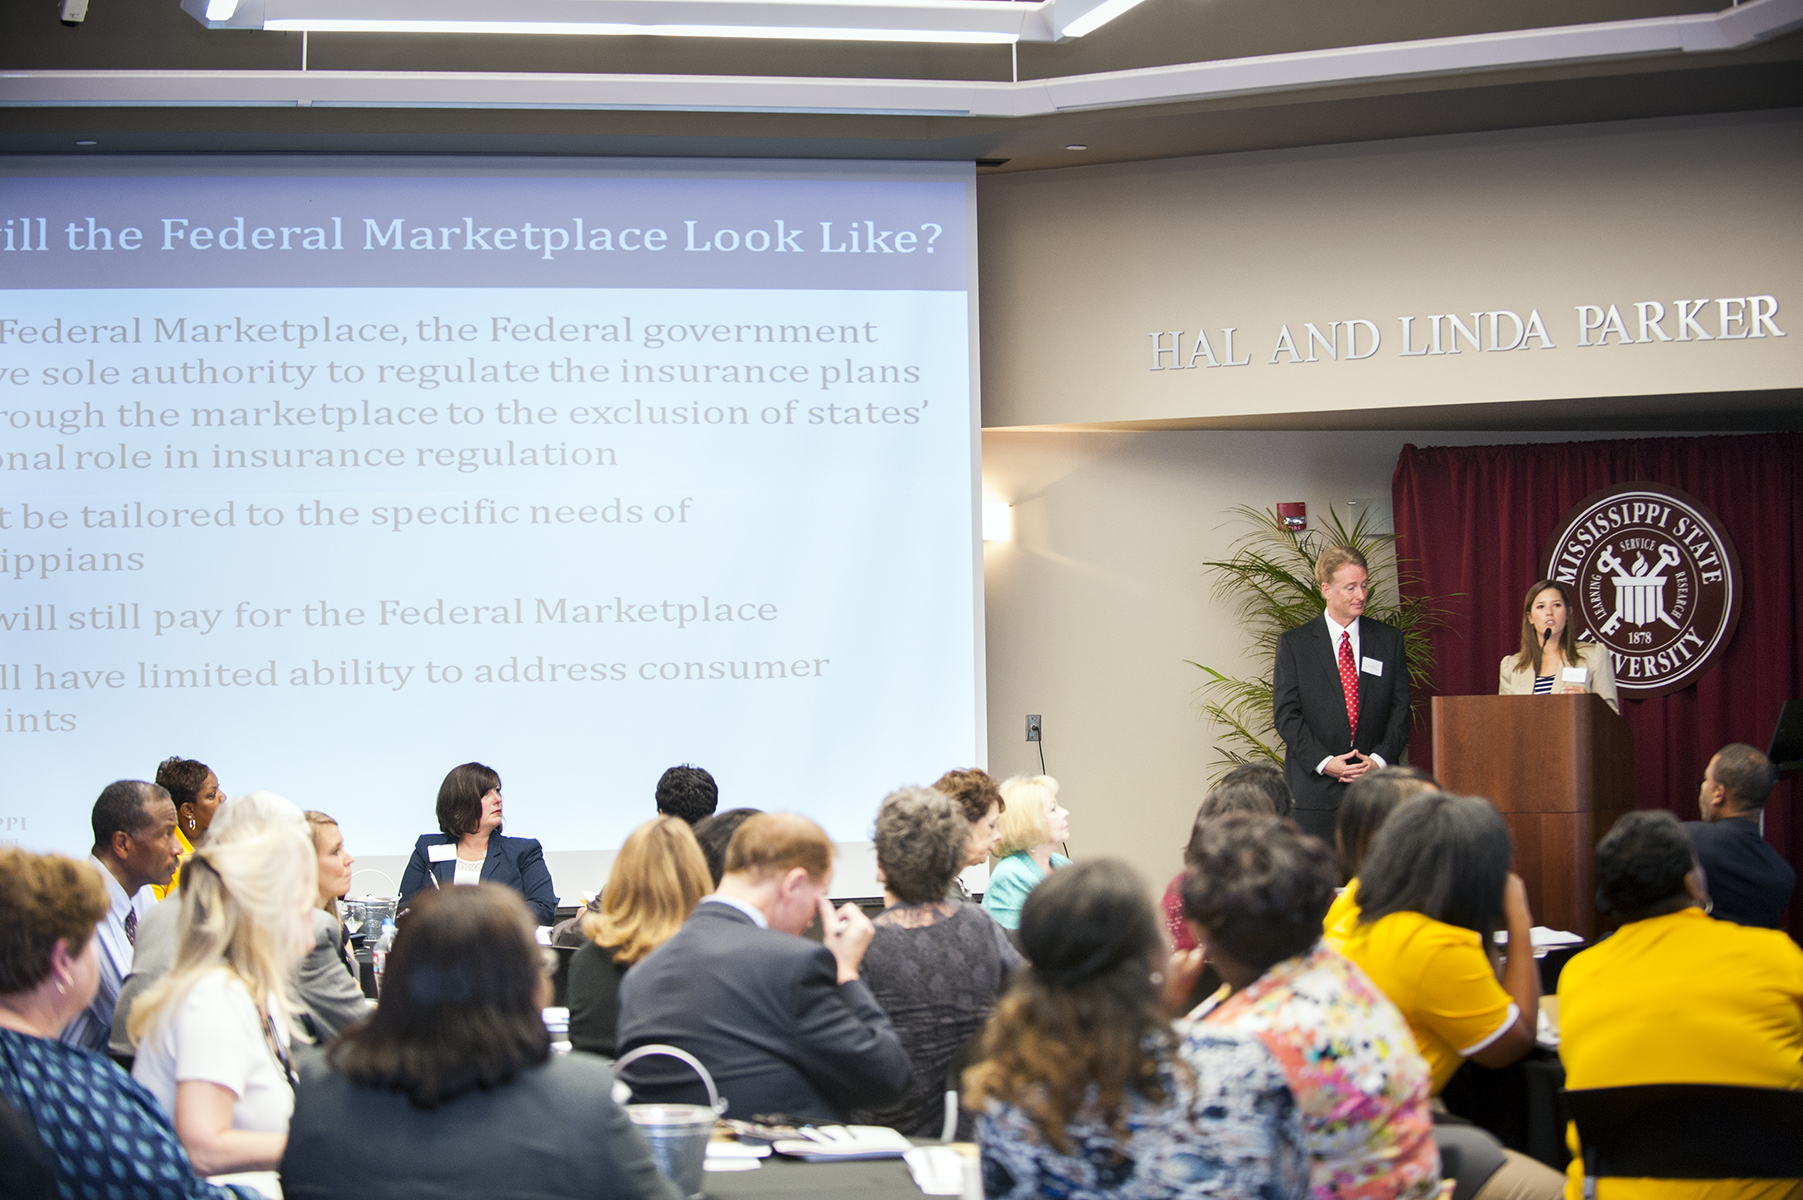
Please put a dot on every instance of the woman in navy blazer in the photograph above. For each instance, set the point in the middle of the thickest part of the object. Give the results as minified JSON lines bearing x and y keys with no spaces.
{"x":469,"y":847}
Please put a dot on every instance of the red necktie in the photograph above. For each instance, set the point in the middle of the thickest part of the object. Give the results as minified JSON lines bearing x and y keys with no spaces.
{"x":1349,"y":681}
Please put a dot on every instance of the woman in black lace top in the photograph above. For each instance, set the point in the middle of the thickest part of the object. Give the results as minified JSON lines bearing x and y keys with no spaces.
{"x":936,"y":966}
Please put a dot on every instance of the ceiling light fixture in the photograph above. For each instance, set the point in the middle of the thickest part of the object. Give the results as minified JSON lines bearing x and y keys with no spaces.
{"x":1096,"y":17}
{"x":981,"y":22}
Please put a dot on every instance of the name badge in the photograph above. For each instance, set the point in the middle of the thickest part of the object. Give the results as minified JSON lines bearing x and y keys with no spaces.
{"x":444,"y":853}
{"x":1578,"y":675}
{"x":1371,"y":666}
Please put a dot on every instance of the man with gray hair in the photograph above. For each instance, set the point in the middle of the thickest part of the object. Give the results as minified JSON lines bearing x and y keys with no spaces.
{"x":134,"y":847}
{"x":1748,"y":881}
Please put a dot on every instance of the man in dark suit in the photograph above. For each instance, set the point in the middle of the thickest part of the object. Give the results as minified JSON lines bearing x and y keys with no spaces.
{"x":784,"y":1025}
{"x":1749,"y":882}
{"x":1340,"y":694}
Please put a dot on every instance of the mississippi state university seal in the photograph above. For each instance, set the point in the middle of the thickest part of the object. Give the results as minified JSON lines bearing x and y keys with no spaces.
{"x":1654,"y":578}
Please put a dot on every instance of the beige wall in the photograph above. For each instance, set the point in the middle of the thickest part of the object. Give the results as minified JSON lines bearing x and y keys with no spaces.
{"x":1080,"y":265}
{"x":1101,"y":595}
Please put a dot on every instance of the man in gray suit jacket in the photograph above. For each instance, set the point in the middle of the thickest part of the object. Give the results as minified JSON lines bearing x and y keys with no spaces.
{"x":785,"y":1026}
{"x":1340,"y":694}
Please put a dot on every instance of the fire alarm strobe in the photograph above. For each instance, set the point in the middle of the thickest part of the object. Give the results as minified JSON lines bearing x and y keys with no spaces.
{"x":1294,"y":516}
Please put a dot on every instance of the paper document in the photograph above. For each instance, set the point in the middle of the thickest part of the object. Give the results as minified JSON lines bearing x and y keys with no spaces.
{"x":824,"y":1142}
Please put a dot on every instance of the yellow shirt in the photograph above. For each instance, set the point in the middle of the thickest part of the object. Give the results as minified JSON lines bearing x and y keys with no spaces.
{"x":1342,"y":916}
{"x":187,"y":850}
{"x":1441,"y":979}
{"x":1683,"y":998}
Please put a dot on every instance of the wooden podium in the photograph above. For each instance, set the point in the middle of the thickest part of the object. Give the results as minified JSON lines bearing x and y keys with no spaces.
{"x":1561,"y":771}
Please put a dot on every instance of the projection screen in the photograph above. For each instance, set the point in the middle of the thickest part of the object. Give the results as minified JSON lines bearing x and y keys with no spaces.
{"x":336,"y":474}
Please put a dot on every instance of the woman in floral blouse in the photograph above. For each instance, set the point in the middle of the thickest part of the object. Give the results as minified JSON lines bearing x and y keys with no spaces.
{"x":1080,"y":1086}
{"x":1255,"y":895}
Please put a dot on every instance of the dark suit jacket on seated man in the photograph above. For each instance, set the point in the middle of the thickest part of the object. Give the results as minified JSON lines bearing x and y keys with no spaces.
{"x":1340,"y":666}
{"x":1749,"y":882}
{"x":784,"y":1025}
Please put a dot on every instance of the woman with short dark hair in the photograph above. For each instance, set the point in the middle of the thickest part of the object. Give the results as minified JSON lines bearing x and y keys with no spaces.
{"x":1255,"y":893}
{"x":194,"y":790}
{"x":468,"y":847}
{"x":935,"y":965}
{"x":451,"y":1088}
{"x":1249,"y":787}
{"x":106,"y":1135}
{"x":1675,"y":996}
{"x":1080,"y":1084}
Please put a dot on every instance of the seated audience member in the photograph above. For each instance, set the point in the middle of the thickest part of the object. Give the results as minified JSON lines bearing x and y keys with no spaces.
{"x":785,"y":1025}
{"x":714,"y":835}
{"x":1269,"y":776}
{"x":1749,"y":881}
{"x":468,"y":847}
{"x":1032,"y":824}
{"x":1238,"y":791}
{"x":104,"y":1134}
{"x":688,"y":793}
{"x":980,"y":800}
{"x":654,"y":886}
{"x":242,"y":817}
{"x":936,"y":965}
{"x":451,"y":1089}
{"x":1364,"y":808}
{"x":1079,"y":1084}
{"x":1435,"y":888}
{"x":1674,"y":997}
{"x":135,"y":847}
{"x":195,"y":790}
{"x":330,"y":987}
{"x":213,"y":1034}
{"x":1433,"y":892}
{"x":1255,"y":892}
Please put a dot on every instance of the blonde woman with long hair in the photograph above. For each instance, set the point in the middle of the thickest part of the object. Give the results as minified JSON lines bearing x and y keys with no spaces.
{"x":212,"y":1036}
{"x":330,"y":988}
{"x":656,"y":882}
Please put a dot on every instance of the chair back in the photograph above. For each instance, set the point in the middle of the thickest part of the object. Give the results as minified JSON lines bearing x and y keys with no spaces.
{"x":1688,"y":1131}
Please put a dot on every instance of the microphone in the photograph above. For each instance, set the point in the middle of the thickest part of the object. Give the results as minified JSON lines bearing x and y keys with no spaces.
{"x":1546,"y":637}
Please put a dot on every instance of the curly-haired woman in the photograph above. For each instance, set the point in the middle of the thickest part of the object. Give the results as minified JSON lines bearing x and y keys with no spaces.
{"x":1081,"y":1086}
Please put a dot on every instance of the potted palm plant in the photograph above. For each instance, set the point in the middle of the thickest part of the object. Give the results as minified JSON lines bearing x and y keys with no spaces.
{"x":1269,"y":579}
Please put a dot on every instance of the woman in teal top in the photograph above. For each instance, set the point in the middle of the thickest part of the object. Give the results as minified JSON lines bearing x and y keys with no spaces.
{"x":1031,"y":824}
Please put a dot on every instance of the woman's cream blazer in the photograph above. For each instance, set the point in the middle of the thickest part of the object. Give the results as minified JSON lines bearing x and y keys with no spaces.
{"x":1600,"y":678}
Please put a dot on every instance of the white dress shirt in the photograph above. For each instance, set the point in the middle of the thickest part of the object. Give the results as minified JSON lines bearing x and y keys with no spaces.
{"x":1334,"y":630}
{"x":94,"y":1024}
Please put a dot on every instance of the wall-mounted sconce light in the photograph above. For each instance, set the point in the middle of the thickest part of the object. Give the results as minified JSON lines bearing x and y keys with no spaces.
{"x":998,"y":520}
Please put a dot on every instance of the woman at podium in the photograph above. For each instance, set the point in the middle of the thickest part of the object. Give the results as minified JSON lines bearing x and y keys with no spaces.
{"x":1552,"y":661}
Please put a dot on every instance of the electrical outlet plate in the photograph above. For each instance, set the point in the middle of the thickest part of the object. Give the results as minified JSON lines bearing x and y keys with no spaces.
{"x":1032,"y":727}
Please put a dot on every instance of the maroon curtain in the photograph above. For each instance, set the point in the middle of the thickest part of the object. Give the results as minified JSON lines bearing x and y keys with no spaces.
{"x":1470,"y":525}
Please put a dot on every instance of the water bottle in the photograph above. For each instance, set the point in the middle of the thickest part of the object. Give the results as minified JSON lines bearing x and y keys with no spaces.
{"x":378,"y":957}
